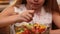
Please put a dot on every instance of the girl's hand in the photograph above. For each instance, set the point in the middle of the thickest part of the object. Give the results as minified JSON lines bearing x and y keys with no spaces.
{"x":26,"y":16}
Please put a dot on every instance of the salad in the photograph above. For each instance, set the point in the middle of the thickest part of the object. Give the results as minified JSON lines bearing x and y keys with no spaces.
{"x":29,"y":28}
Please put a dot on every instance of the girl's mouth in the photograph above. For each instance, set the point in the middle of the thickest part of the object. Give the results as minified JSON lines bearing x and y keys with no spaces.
{"x":35,"y":4}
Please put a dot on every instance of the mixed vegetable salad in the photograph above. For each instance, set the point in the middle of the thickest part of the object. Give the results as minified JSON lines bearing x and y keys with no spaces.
{"x":29,"y":28}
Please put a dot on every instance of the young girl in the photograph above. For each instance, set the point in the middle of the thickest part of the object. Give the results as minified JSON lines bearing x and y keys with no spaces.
{"x":31,"y":11}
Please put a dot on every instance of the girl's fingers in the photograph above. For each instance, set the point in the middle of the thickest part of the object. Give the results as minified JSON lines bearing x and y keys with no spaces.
{"x":26,"y":17}
{"x":30,"y":16}
{"x":31,"y":11}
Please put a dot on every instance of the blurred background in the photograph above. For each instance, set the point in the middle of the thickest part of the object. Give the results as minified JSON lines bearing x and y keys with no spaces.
{"x":5,"y":3}
{"x":58,"y":2}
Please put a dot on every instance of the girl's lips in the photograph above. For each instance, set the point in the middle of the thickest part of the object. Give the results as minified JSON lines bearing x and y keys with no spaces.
{"x":35,"y":3}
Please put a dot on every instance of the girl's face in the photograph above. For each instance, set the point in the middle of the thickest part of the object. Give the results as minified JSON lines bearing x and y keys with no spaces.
{"x":35,"y":4}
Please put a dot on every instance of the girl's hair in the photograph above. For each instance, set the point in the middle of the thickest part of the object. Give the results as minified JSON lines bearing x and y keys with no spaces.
{"x":51,"y":5}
